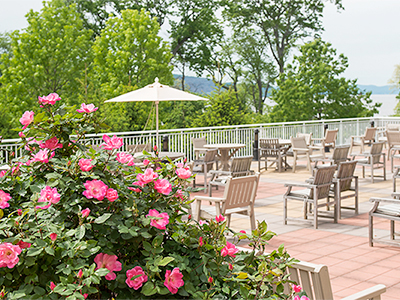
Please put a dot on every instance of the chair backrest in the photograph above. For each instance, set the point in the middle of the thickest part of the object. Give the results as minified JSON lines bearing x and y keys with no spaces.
{"x":299,"y":142}
{"x":393,"y":137}
{"x":322,"y":177}
{"x":376,"y":148}
{"x":269,"y":147}
{"x":138,"y":148}
{"x":240,"y":164}
{"x":330,"y":135}
{"x":210,"y":155}
{"x":308,"y":137}
{"x":345,"y":174}
{"x":314,"y":279}
{"x":240,"y":191}
{"x":370,"y":133}
{"x":199,"y":142}
{"x":340,"y":153}
{"x":393,"y":127}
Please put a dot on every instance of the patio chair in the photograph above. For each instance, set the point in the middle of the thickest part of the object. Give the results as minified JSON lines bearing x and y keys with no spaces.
{"x":308,"y":137}
{"x":328,"y":141}
{"x":340,"y":154}
{"x":315,"y":191}
{"x":367,"y":139}
{"x":342,"y":187}
{"x":240,"y":166}
{"x":315,"y":281}
{"x":198,"y":144}
{"x":301,"y":150}
{"x":373,"y":160}
{"x":393,"y":141}
{"x":203,"y":166}
{"x":239,"y":196}
{"x":390,"y":211}
{"x":382,"y":135}
{"x":270,"y":150}
{"x":396,"y":175}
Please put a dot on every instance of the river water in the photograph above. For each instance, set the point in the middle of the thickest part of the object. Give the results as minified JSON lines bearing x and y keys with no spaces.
{"x":388,"y":104}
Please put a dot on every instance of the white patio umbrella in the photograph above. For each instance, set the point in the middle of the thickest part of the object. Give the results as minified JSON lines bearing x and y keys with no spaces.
{"x":156,"y":92}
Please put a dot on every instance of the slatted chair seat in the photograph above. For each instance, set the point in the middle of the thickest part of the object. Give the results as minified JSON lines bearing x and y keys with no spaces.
{"x":270,"y":151}
{"x":390,"y":210}
{"x":240,"y":166}
{"x":205,"y":165}
{"x":239,"y":196}
{"x":373,"y":160}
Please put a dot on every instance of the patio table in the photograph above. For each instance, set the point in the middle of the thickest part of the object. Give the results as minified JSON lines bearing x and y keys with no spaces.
{"x":226,"y":151}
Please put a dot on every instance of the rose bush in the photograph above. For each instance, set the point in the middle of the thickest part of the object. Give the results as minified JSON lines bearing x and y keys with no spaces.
{"x":78,"y":223}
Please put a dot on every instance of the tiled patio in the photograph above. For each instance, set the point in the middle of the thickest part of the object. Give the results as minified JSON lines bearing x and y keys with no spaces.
{"x":343,"y":247}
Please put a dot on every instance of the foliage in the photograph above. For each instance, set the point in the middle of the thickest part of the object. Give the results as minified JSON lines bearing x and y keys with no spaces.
{"x":312,"y":88}
{"x":128,"y":55}
{"x":105,"y":218}
{"x":50,"y":55}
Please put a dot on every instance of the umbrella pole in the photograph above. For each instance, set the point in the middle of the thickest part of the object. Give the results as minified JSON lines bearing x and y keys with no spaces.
{"x":157,"y":125}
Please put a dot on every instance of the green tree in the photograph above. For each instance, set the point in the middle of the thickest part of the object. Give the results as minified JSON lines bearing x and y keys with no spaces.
{"x":50,"y":55}
{"x":283,"y":22}
{"x":128,"y":55}
{"x":312,"y":88}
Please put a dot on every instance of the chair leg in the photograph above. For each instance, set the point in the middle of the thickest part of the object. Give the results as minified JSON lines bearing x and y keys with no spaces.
{"x":370,"y":230}
{"x":356,"y":196}
{"x":391,"y":229}
{"x":315,"y":208}
{"x":252,"y":219}
{"x":294,"y":161}
{"x":284,"y":210}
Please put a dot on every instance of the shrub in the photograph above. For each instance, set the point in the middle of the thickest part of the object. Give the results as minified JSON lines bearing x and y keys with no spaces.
{"x":80,"y":223}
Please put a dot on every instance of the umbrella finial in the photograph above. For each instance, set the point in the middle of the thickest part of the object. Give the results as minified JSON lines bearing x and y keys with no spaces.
{"x":156,"y":80}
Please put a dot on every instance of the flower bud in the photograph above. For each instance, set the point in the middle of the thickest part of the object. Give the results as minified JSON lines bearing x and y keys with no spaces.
{"x":230,"y":267}
{"x":80,"y":273}
{"x":19,"y":211}
{"x":210,"y":279}
{"x":52,"y":285}
{"x":53,"y":236}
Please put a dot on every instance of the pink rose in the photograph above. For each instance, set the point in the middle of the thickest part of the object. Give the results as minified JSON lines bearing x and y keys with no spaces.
{"x":95,"y":189}
{"x":4,"y":198}
{"x":52,"y":285}
{"x":9,"y":255}
{"x":201,"y":241}
{"x":48,"y":195}
{"x":159,"y":220}
{"x":21,"y":134}
{"x":87,"y":108}
{"x":49,"y":99}
{"x":297,"y":297}
{"x":163,"y":186}
{"x":43,"y":156}
{"x":183,"y":173}
{"x":173,"y":280}
{"x":148,"y":176}
{"x":3,"y":173}
{"x":53,"y":236}
{"x":19,"y":212}
{"x":210,"y":280}
{"x":220,"y":218}
{"x":80,"y":273}
{"x":112,"y":143}
{"x":27,"y":118}
{"x":85,"y":212}
{"x":125,"y":158}
{"x":51,"y":144}
{"x":146,"y":162}
{"x":296,"y":288}
{"x":112,"y":195}
{"x":138,"y":281}
{"x":24,"y":245}
{"x":229,"y":249}
{"x":109,"y":262}
{"x":230,"y":267}
{"x":137,"y":183}
{"x":85,"y":164}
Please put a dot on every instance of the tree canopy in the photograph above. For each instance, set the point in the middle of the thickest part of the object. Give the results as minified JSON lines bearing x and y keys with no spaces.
{"x":311,"y":88}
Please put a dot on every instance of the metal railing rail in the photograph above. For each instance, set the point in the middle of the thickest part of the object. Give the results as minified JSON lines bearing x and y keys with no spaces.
{"x":180,"y":140}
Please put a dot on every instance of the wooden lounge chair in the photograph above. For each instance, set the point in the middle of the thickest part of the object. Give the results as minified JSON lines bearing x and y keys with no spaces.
{"x":308,"y":137}
{"x":138,"y":148}
{"x":328,"y":141}
{"x":301,"y":150}
{"x":390,"y":211}
{"x":367,"y":139}
{"x":340,"y":154}
{"x":240,"y":166}
{"x":239,"y":196}
{"x":271,"y":151}
{"x":315,"y":281}
{"x":205,"y":165}
{"x":315,"y":191}
{"x":373,"y":160}
{"x":393,"y":140}
{"x":198,"y":144}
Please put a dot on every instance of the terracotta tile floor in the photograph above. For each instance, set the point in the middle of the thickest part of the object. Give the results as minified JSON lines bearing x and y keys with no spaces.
{"x":343,"y":247}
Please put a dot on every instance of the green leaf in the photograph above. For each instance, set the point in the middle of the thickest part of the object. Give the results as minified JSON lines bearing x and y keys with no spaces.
{"x":39,"y":291}
{"x":49,"y":250}
{"x":149,"y":289}
{"x":102,"y":272}
{"x":102,"y":218}
{"x":81,"y":232}
{"x":165,"y":261}
{"x":34,"y":251}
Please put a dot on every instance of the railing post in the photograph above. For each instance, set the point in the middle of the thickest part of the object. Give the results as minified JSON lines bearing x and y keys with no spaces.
{"x":165,"y":143}
{"x":255,"y":147}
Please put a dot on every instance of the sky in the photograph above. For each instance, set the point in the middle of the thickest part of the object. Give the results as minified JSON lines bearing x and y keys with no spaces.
{"x":367,"y":32}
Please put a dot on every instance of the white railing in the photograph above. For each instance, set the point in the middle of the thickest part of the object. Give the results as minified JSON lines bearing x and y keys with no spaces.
{"x":179,"y":140}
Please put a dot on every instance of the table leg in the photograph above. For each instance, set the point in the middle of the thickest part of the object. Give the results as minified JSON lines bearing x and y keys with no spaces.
{"x":224,"y":158}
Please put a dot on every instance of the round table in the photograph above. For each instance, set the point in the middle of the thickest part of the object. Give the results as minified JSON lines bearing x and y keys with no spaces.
{"x":226,"y":151}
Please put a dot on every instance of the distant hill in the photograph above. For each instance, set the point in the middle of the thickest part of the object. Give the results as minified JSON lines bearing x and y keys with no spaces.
{"x":206,"y":86}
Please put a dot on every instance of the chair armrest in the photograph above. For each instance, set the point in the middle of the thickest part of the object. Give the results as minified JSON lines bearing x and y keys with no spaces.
{"x":369,"y":293}
{"x":299,"y":185}
{"x":217,"y":172}
{"x":211,"y":199}
{"x":300,"y":149}
{"x":387,"y":200}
